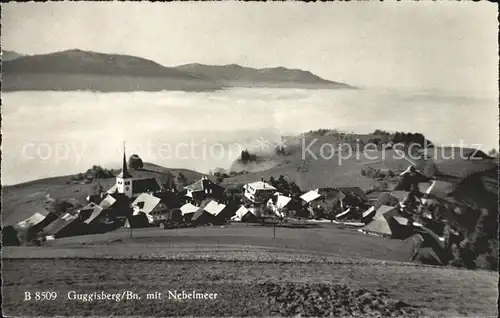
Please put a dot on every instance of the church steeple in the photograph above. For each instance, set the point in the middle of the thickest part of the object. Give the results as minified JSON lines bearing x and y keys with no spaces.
{"x":124,"y":174}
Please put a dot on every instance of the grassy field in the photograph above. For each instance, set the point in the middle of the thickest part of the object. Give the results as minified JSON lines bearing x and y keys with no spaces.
{"x":309,"y":271}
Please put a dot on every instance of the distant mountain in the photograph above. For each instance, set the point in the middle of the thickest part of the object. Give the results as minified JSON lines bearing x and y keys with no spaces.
{"x":10,"y":55}
{"x":84,"y":70}
{"x":84,"y":62}
{"x":236,"y":75}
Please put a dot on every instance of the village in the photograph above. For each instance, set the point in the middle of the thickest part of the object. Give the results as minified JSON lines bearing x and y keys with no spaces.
{"x":417,"y":209}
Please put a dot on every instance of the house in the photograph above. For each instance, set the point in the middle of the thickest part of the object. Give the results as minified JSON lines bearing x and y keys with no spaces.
{"x":127,"y":185}
{"x":244,"y":215}
{"x":171,"y":199}
{"x":65,"y":226}
{"x":113,"y":206}
{"x":380,"y":225}
{"x":146,"y":203}
{"x":188,"y":210}
{"x":400,"y":195}
{"x":31,"y":221}
{"x":92,"y":210}
{"x":202,"y":217}
{"x":310,"y":196}
{"x":31,"y":226}
{"x":278,"y":203}
{"x":210,"y":213}
{"x":53,"y":210}
{"x":203,"y":189}
{"x":258,"y":192}
{"x":217,"y":210}
{"x":353,"y":196}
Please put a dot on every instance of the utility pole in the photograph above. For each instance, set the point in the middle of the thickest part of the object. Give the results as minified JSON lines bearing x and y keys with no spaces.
{"x":274,"y":228}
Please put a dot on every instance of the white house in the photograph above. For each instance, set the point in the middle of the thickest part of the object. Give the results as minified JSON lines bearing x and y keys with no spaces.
{"x":258,"y":192}
{"x":310,"y":196}
{"x":277,"y":203}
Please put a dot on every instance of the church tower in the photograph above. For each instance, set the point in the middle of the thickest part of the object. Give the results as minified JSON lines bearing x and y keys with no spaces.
{"x":124,"y":179}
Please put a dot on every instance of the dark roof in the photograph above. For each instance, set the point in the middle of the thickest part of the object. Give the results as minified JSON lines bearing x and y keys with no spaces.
{"x":201,"y":185}
{"x":59,"y":224}
{"x":354,"y":191}
{"x":198,"y":214}
{"x":145,"y":185}
{"x":455,"y":169}
{"x":479,"y":189}
{"x":170,"y":199}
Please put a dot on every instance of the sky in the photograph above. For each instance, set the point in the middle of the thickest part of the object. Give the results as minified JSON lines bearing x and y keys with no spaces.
{"x":449,"y":45}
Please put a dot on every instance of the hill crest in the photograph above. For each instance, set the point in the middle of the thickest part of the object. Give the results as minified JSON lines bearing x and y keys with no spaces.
{"x":77,"y":69}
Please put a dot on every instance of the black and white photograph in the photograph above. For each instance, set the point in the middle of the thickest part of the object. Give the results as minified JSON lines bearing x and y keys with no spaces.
{"x":235,"y":159}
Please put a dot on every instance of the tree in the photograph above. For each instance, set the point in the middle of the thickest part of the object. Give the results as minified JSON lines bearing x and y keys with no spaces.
{"x":181,"y":179}
{"x":493,"y":153}
{"x":273,"y":182}
{"x":246,"y":156}
{"x":135,"y":162}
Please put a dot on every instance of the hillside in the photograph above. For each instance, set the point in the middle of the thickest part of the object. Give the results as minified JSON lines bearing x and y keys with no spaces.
{"x":310,"y":163}
{"x":236,"y":75}
{"x":316,"y":170}
{"x":22,"y":200}
{"x":84,"y":70}
{"x":10,"y":55}
{"x":81,"y":70}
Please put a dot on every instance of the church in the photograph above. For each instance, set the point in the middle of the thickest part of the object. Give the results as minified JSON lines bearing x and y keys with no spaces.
{"x":131,"y":187}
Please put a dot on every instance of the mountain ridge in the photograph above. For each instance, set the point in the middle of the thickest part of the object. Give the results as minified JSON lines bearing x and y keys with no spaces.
{"x":77,"y":69}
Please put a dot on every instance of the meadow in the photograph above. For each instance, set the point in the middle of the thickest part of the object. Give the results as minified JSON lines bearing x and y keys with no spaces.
{"x":320,"y":271}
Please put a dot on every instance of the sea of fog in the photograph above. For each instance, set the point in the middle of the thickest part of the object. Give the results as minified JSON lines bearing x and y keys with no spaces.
{"x":57,"y":133}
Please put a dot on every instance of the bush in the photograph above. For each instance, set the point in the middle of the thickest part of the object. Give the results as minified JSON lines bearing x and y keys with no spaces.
{"x":10,"y":236}
{"x":96,"y":172}
{"x":181,"y":179}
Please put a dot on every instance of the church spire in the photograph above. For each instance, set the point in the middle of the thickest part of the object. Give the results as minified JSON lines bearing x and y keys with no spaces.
{"x":124,"y":174}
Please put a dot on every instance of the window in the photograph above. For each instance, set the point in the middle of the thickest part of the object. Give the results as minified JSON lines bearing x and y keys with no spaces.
{"x":119,"y":182}
{"x":127,"y":182}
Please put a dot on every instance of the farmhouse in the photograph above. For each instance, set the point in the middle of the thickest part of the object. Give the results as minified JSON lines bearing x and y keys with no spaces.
{"x":147,"y":204}
{"x":244,"y":215}
{"x":217,"y":210}
{"x":210,"y":213}
{"x":203,"y":189}
{"x":188,"y":210}
{"x":258,"y":192}
{"x":31,"y":221}
{"x":278,"y":203}
{"x":352,"y":196}
{"x":93,"y":210}
{"x":311,"y":196}
{"x":66,"y":225}
{"x":380,"y":224}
